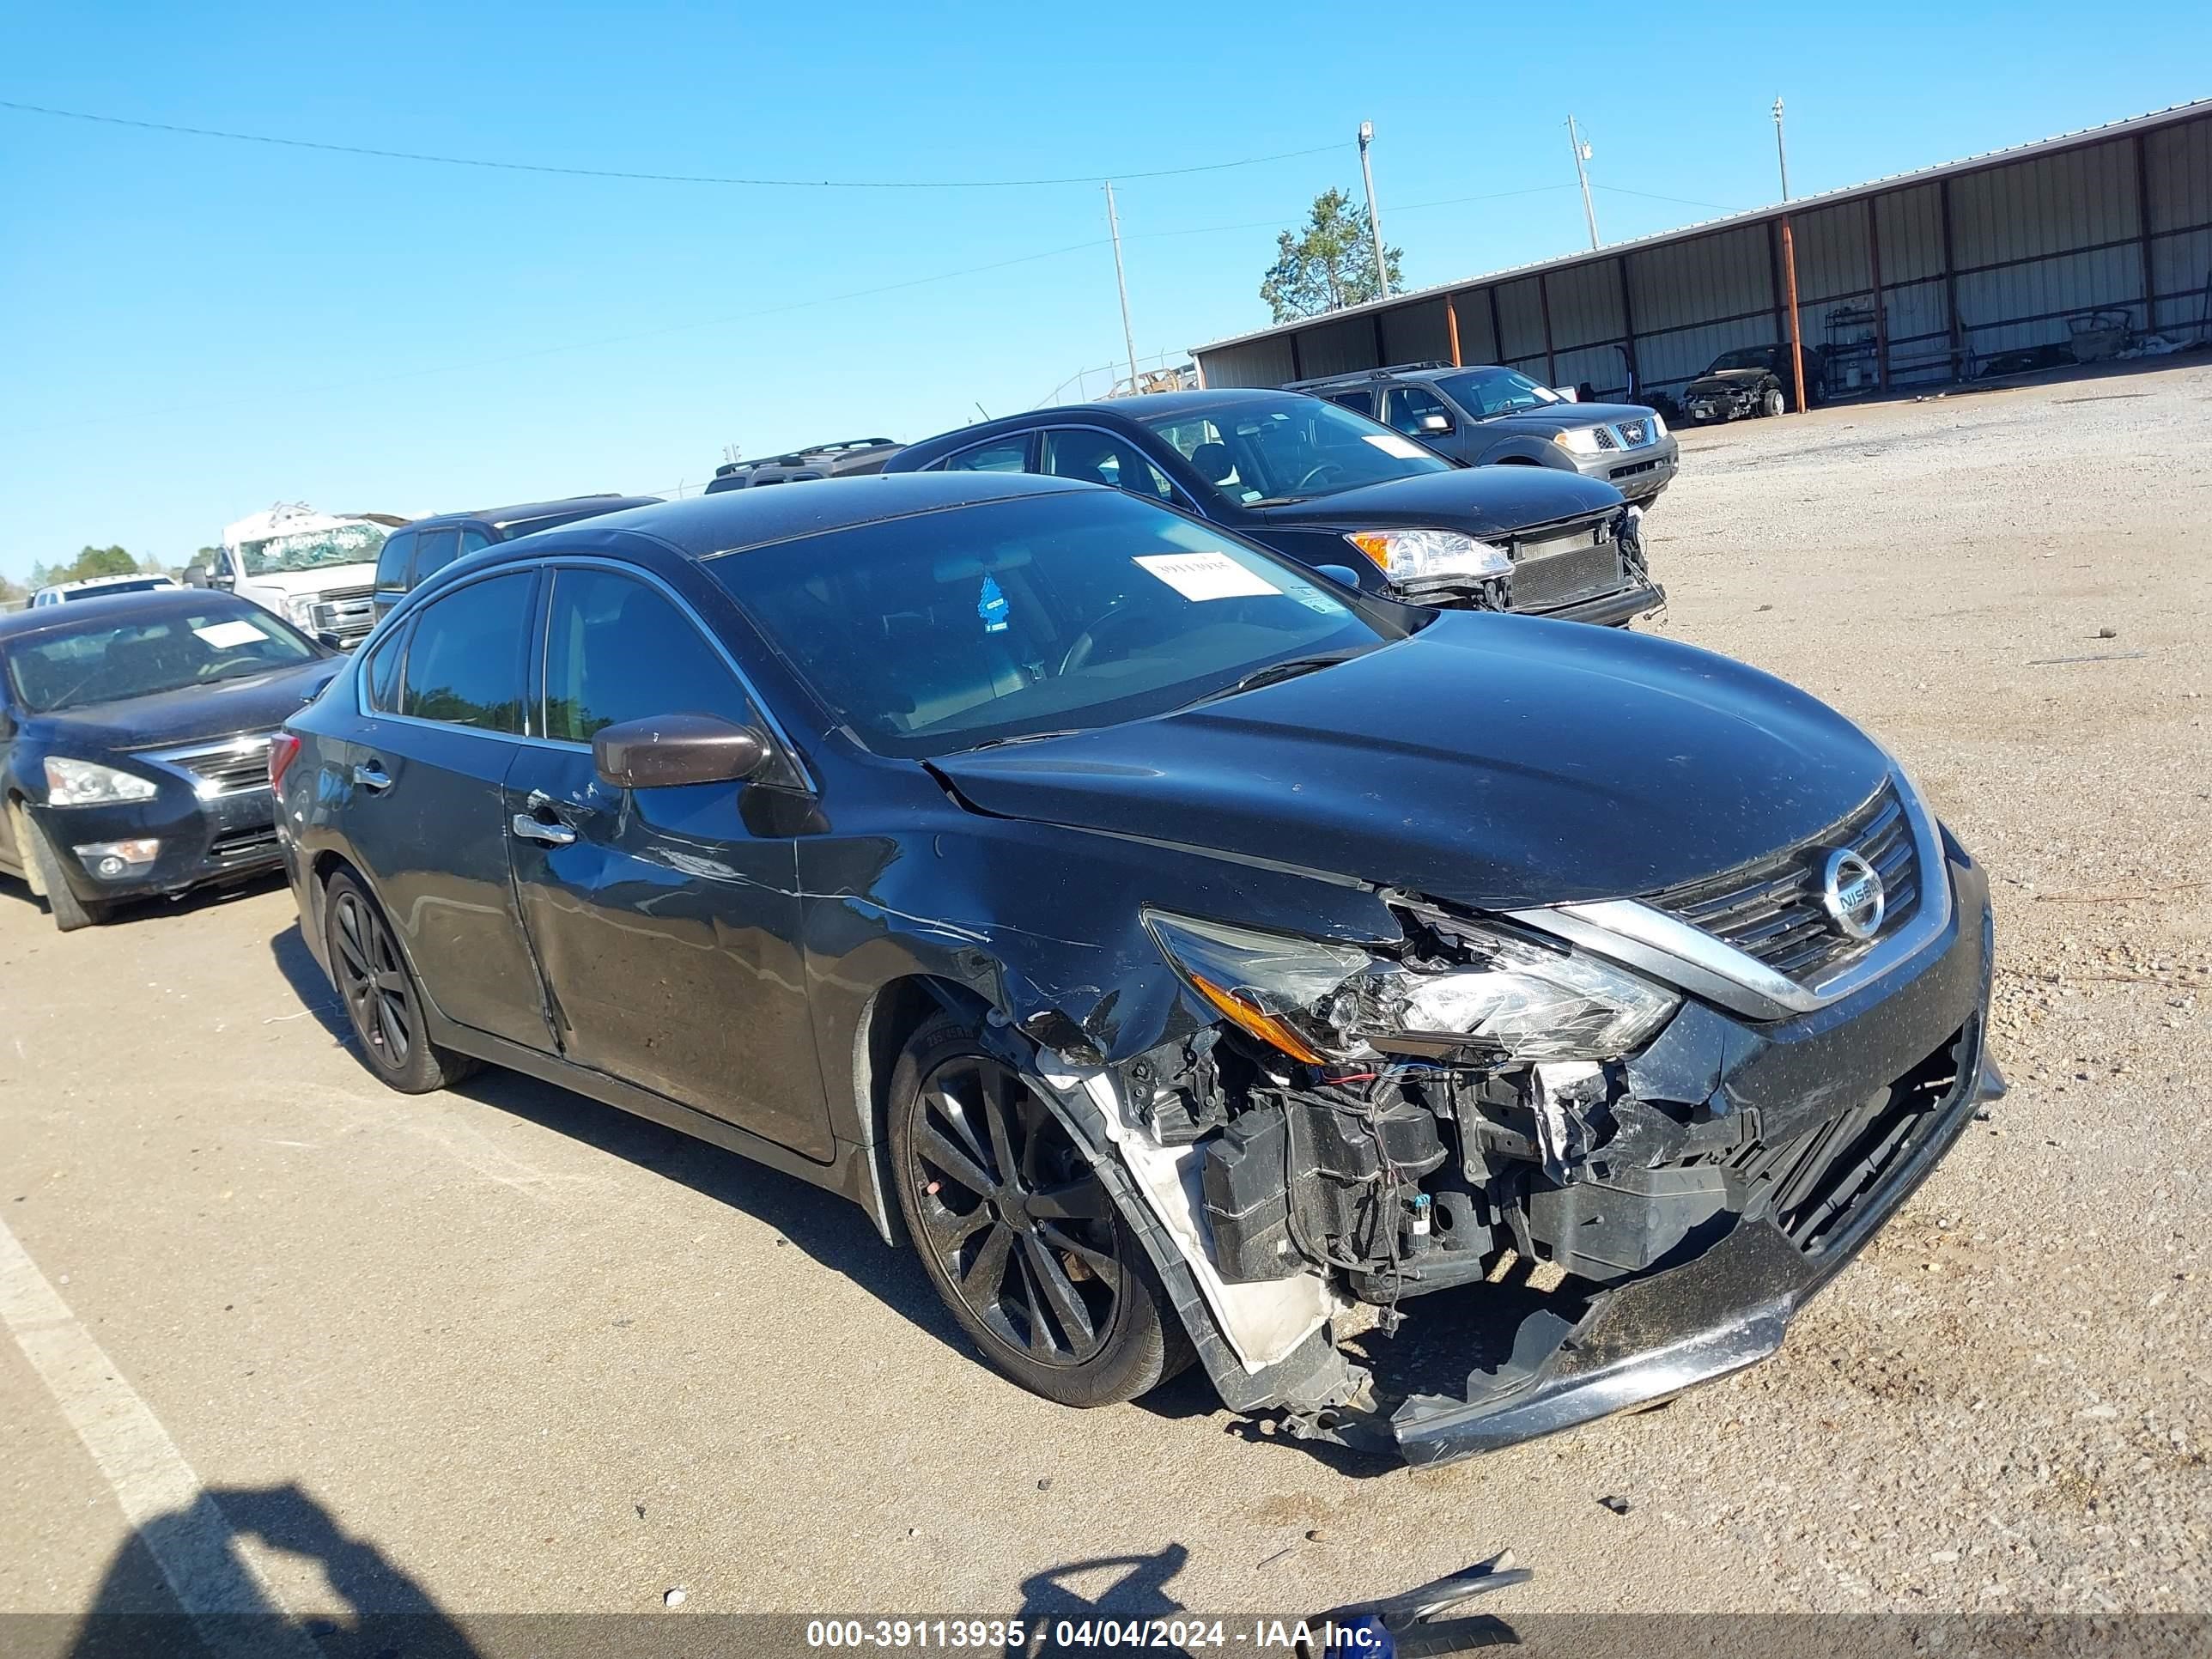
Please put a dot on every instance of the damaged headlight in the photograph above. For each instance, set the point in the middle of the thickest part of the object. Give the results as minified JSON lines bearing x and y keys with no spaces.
{"x":1324,"y":1004}
{"x":1412,"y":555}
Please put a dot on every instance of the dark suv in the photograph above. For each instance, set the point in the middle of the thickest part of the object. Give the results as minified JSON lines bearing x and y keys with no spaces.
{"x":410,"y":555}
{"x":1486,"y":415}
{"x":848,"y":458}
{"x":1754,"y":380}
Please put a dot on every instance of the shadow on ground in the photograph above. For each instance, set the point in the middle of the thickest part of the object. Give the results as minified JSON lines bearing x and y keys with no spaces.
{"x":182,"y":1585}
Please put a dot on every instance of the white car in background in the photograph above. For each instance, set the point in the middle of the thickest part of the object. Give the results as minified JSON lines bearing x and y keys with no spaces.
{"x":317,"y":570}
{"x":92,"y":587}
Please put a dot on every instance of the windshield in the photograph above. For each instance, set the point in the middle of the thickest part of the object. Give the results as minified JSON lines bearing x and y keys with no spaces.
{"x":1037,"y":614}
{"x":1262,"y":454}
{"x":198,"y":645}
{"x":1486,"y":391}
{"x":312,"y":550}
{"x":1746,"y":357}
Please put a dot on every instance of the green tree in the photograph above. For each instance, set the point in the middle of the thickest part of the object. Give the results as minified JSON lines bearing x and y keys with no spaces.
{"x":1330,"y":266}
{"x":103,"y":561}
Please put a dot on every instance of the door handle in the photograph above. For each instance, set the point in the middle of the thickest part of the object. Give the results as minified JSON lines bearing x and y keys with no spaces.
{"x":550,"y":834}
{"x":372,"y":777}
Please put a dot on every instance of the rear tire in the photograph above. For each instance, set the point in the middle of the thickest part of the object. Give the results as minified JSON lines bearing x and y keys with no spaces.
{"x":1018,"y":1232}
{"x":384,"y":1000}
{"x":42,"y":865}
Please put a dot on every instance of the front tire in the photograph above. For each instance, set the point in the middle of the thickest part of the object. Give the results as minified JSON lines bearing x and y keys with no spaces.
{"x":384,"y":1000}
{"x":1018,"y":1232}
{"x":1773,"y":402}
{"x":43,"y":867}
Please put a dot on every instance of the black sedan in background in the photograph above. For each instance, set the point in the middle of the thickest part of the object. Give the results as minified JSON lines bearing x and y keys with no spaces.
{"x":1176,"y":948}
{"x":1341,"y":493}
{"x":134,"y":743}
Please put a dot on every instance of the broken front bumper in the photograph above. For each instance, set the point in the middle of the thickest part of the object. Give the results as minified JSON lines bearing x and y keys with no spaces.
{"x":1650,"y":1338}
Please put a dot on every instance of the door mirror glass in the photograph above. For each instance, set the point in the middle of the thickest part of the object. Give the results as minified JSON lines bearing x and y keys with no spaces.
{"x":677,"y":748}
{"x":196,"y":575}
{"x":1436,"y":423}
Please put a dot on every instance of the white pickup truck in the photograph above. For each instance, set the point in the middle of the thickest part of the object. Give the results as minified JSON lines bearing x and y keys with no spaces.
{"x":317,"y":570}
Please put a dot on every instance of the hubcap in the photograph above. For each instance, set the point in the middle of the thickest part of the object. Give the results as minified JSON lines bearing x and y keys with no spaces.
{"x":374,"y":982}
{"x":1014,"y":1213}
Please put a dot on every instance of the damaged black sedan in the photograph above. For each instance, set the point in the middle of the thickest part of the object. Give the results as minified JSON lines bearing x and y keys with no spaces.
{"x":1187,"y":955}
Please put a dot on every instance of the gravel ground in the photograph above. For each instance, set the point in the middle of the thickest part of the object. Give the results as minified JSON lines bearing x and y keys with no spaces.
{"x":507,"y":1352}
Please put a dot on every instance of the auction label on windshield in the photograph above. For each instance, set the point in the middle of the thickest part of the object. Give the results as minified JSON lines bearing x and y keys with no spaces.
{"x":223,"y":636}
{"x":1207,"y":575}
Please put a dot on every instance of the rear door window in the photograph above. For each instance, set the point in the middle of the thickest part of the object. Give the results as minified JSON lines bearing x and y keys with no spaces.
{"x":1097,"y":457}
{"x":465,"y":665}
{"x":1405,"y":407}
{"x":472,"y":539}
{"x":391,"y":561}
{"x":435,"y":551}
{"x":1010,"y":454}
{"x":380,"y":674}
{"x":1359,"y":403}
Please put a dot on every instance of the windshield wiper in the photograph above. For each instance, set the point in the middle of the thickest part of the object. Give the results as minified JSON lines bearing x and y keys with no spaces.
{"x":1289,"y":669}
{"x":1018,"y":737}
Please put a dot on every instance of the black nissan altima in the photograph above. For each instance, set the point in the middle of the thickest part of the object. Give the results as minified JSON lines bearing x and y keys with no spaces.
{"x":134,"y":743}
{"x":1179,"y":950}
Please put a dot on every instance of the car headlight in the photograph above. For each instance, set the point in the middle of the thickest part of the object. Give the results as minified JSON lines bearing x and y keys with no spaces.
{"x":300,"y":611}
{"x":1324,"y":1004}
{"x":82,"y":783}
{"x":1410,"y":556}
{"x":1658,"y":424}
{"x":1577,"y":440}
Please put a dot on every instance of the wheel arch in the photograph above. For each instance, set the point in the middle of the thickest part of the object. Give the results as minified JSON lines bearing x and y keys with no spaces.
{"x":898,"y":1008}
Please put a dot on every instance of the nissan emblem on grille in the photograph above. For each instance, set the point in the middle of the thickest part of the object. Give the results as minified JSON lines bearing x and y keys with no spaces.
{"x":1851,"y":893}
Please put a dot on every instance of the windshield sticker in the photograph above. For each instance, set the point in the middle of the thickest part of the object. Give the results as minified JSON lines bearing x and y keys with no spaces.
{"x":992,"y":606}
{"x":1207,"y":575}
{"x":223,"y":636}
{"x":1391,"y":444}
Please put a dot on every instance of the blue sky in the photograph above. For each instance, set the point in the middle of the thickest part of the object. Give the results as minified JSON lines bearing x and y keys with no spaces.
{"x":196,"y":328}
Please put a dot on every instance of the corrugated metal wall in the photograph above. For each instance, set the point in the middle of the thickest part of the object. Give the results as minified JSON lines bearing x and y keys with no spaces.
{"x":1958,"y":269}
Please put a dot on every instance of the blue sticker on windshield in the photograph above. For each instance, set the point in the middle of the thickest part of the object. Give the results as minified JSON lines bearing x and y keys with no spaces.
{"x":992,"y":606}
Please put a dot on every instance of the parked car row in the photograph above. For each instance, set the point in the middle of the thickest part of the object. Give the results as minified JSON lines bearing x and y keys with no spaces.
{"x":1125,"y":851}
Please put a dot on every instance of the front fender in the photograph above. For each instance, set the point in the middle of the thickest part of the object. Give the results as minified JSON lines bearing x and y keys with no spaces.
{"x":1524,"y":451}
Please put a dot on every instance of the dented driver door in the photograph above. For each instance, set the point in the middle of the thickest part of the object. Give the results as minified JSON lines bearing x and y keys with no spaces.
{"x":665,"y":927}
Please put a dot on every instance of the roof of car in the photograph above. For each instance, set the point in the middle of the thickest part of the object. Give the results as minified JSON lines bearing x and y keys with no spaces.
{"x":110,"y":609}
{"x":1196,"y":402}
{"x":735,"y":520}
{"x":157,"y":577}
{"x":522,"y":512}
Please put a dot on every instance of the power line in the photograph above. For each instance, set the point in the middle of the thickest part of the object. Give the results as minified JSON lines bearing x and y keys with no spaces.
{"x":652,"y":178}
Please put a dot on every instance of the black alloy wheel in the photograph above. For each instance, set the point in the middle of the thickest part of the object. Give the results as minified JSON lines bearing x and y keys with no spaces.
{"x":1016,"y":1217}
{"x":1018,"y":1232}
{"x":382,"y":1000}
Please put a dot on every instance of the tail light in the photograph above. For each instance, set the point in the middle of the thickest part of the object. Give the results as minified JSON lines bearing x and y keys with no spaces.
{"x":284,"y":748}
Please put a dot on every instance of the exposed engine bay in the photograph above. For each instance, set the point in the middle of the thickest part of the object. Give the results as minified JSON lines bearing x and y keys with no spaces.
{"x":1377,"y":1129}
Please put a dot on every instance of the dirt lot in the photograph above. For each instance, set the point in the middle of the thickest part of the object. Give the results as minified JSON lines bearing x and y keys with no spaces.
{"x":505,"y":1351}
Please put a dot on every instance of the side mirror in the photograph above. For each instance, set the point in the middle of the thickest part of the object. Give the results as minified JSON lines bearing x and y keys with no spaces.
{"x":1342,"y":576}
{"x":677,"y":748}
{"x":330,"y":641}
{"x":196,"y":575}
{"x":1436,"y":423}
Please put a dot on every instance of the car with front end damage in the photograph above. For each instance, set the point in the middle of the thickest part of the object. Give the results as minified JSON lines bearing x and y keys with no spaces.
{"x":1754,"y":380}
{"x":1185,"y":955}
{"x":1367,"y":506}
{"x":134,"y":743}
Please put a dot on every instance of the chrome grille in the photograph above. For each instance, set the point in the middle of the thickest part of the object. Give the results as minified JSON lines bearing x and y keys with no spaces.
{"x":232,"y":766}
{"x":1605,"y":438}
{"x":348,"y":614}
{"x":1635,"y":433}
{"x":1771,"y":909}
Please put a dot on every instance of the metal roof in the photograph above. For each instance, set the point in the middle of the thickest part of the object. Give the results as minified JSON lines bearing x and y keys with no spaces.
{"x":2172,"y":115}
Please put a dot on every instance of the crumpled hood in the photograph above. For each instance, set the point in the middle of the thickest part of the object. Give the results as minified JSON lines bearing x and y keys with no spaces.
{"x":1482,"y":500}
{"x":220,"y":710}
{"x":1727,"y":380}
{"x":1496,"y":760}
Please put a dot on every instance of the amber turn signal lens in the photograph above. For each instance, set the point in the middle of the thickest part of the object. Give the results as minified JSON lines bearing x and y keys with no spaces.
{"x":1264,"y":1026}
{"x":1376,"y":545}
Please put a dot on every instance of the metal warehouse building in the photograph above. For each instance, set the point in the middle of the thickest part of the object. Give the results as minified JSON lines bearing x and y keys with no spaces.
{"x":1917,"y":279}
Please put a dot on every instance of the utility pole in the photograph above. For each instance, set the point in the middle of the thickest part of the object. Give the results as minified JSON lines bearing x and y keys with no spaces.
{"x":1581,"y":171}
{"x":1781,"y":155}
{"x":1122,"y":281}
{"x":1374,"y":213}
